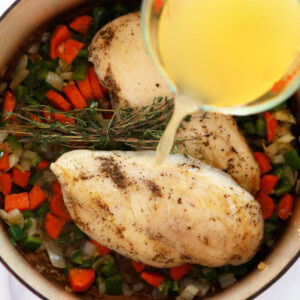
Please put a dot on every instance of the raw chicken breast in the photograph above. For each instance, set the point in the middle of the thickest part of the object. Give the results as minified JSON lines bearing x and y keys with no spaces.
{"x":185,"y":211}
{"x":124,"y":67}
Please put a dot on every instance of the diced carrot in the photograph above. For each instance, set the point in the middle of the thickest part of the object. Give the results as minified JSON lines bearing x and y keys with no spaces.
{"x":268,"y":183}
{"x":266,"y":203}
{"x":85,"y":88}
{"x":8,"y":104}
{"x":42,"y":164}
{"x":5,"y":183}
{"x":138,"y":266}
{"x":176,"y":273}
{"x":53,"y":225}
{"x":74,"y":96}
{"x":60,"y":34}
{"x":69,"y":49}
{"x":271,"y":124}
{"x":58,"y":101}
{"x":62,"y":119}
{"x":81,"y":24}
{"x":4,"y":160}
{"x":263,"y":162}
{"x":102,"y":249}
{"x":19,"y":201}
{"x":155,"y":279}
{"x":36,"y":197}
{"x":35,"y":118}
{"x":56,"y":188}
{"x":81,"y":279}
{"x":284,"y":207}
{"x":58,"y":207}
{"x":95,"y":85}
{"x":19,"y":178}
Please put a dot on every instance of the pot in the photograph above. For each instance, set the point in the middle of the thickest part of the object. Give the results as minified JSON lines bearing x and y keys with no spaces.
{"x":18,"y":23}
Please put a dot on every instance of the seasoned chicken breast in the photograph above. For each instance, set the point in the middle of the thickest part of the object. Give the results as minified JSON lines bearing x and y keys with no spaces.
{"x":124,"y":67}
{"x":184,"y":212}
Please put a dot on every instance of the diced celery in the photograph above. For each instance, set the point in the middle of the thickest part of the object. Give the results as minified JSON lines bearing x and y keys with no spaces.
{"x":32,"y":243}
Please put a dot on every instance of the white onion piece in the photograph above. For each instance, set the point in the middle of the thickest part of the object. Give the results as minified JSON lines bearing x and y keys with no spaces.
{"x":18,"y":78}
{"x":285,"y":139}
{"x":101,"y":288}
{"x":126,"y":290}
{"x":18,"y":151}
{"x":25,"y":164}
{"x":276,"y":148}
{"x":284,"y":116}
{"x":15,"y":217}
{"x":226,"y":280}
{"x":34,"y":48}
{"x":204,"y":287}
{"x":189,"y":292}
{"x":29,"y":155}
{"x":65,"y":67}
{"x":89,"y":249}
{"x":278,"y":159}
{"x":3,"y":135}
{"x":67,"y":76}
{"x":138,"y":286}
{"x":54,"y":251}
{"x":45,"y":37}
{"x":13,"y":160}
{"x":32,"y":230}
{"x":3,"y":215}
{"x":21,"y":65}
{"x":55,"y":80}
{"x":3,"y":86}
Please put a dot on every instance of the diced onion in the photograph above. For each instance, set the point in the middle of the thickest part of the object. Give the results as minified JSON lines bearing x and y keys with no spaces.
{"x":54,"y":251}
{"x":3,"y":135}
{"x":55,"y":80}
{"x":25,"y":164}
{"x":278,"y":159}
{"x":18,"y":78}
{"x":89,"y":249}
{"x":13,"y":160}
{"x":283,"y":129}
{"x":100,"y":261}
{"x":34,"y":48}
{"x":3,"y":86}
{"x":285,"y":139}
{"x":126,"y":290}
{"x":18,"y":151}
{"x":138,"y":286}
{"x":276,"y":148}
{"x":67,"y":76}
{"x":13,"y":217}
{"x":45,"y":37}
{"x":101,"y":288}
{"x":204,"y":287}
{"x":284,"y":116}
{"x":226,"y":280}
{"x":32,"y":230}
{"x":21,"y":65}
{"x":189,"y":292}
{"x":65,"y":67}
{"x":29,"y":155}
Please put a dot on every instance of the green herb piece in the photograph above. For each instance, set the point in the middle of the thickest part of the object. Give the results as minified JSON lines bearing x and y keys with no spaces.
{"x":13,"y":141}
{"x":279,"y":107}
{"x":32,"y":243}
{"x":16,"y":233}
{"x":175,"y":286}
{"x":65,"y":240}
{"x":88,"y":263}
{"x":35,"y":160}
{"x":249,"y":128}
{"x":80,"y":72}
{"x":83,"y":53}
{"x":34,"y":177}
{"x":21,"y":92}
{"x":78,"y":234}
{"x":77,"y":258}
{"x":165,"y":287}
{"x":261,"y":127}
{"x":113,"y":285}
{"x":42,"y":210}
{"x":209,"y":273}
{"x":40,"y":94}
{"x":292,"y":159}
{"x":28,"y":214}
{"x":67,"y":268}
{"x":27,"y":224}
{"x":42,"y":74}
{"x":283,"y":187}
{"x":108,"y":268}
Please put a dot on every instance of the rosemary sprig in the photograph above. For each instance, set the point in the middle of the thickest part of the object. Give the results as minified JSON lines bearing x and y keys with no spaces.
{"x":137,"y":128}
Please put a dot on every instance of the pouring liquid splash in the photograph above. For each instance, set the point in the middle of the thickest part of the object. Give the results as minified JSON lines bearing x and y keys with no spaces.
{"x":227,"y":53}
